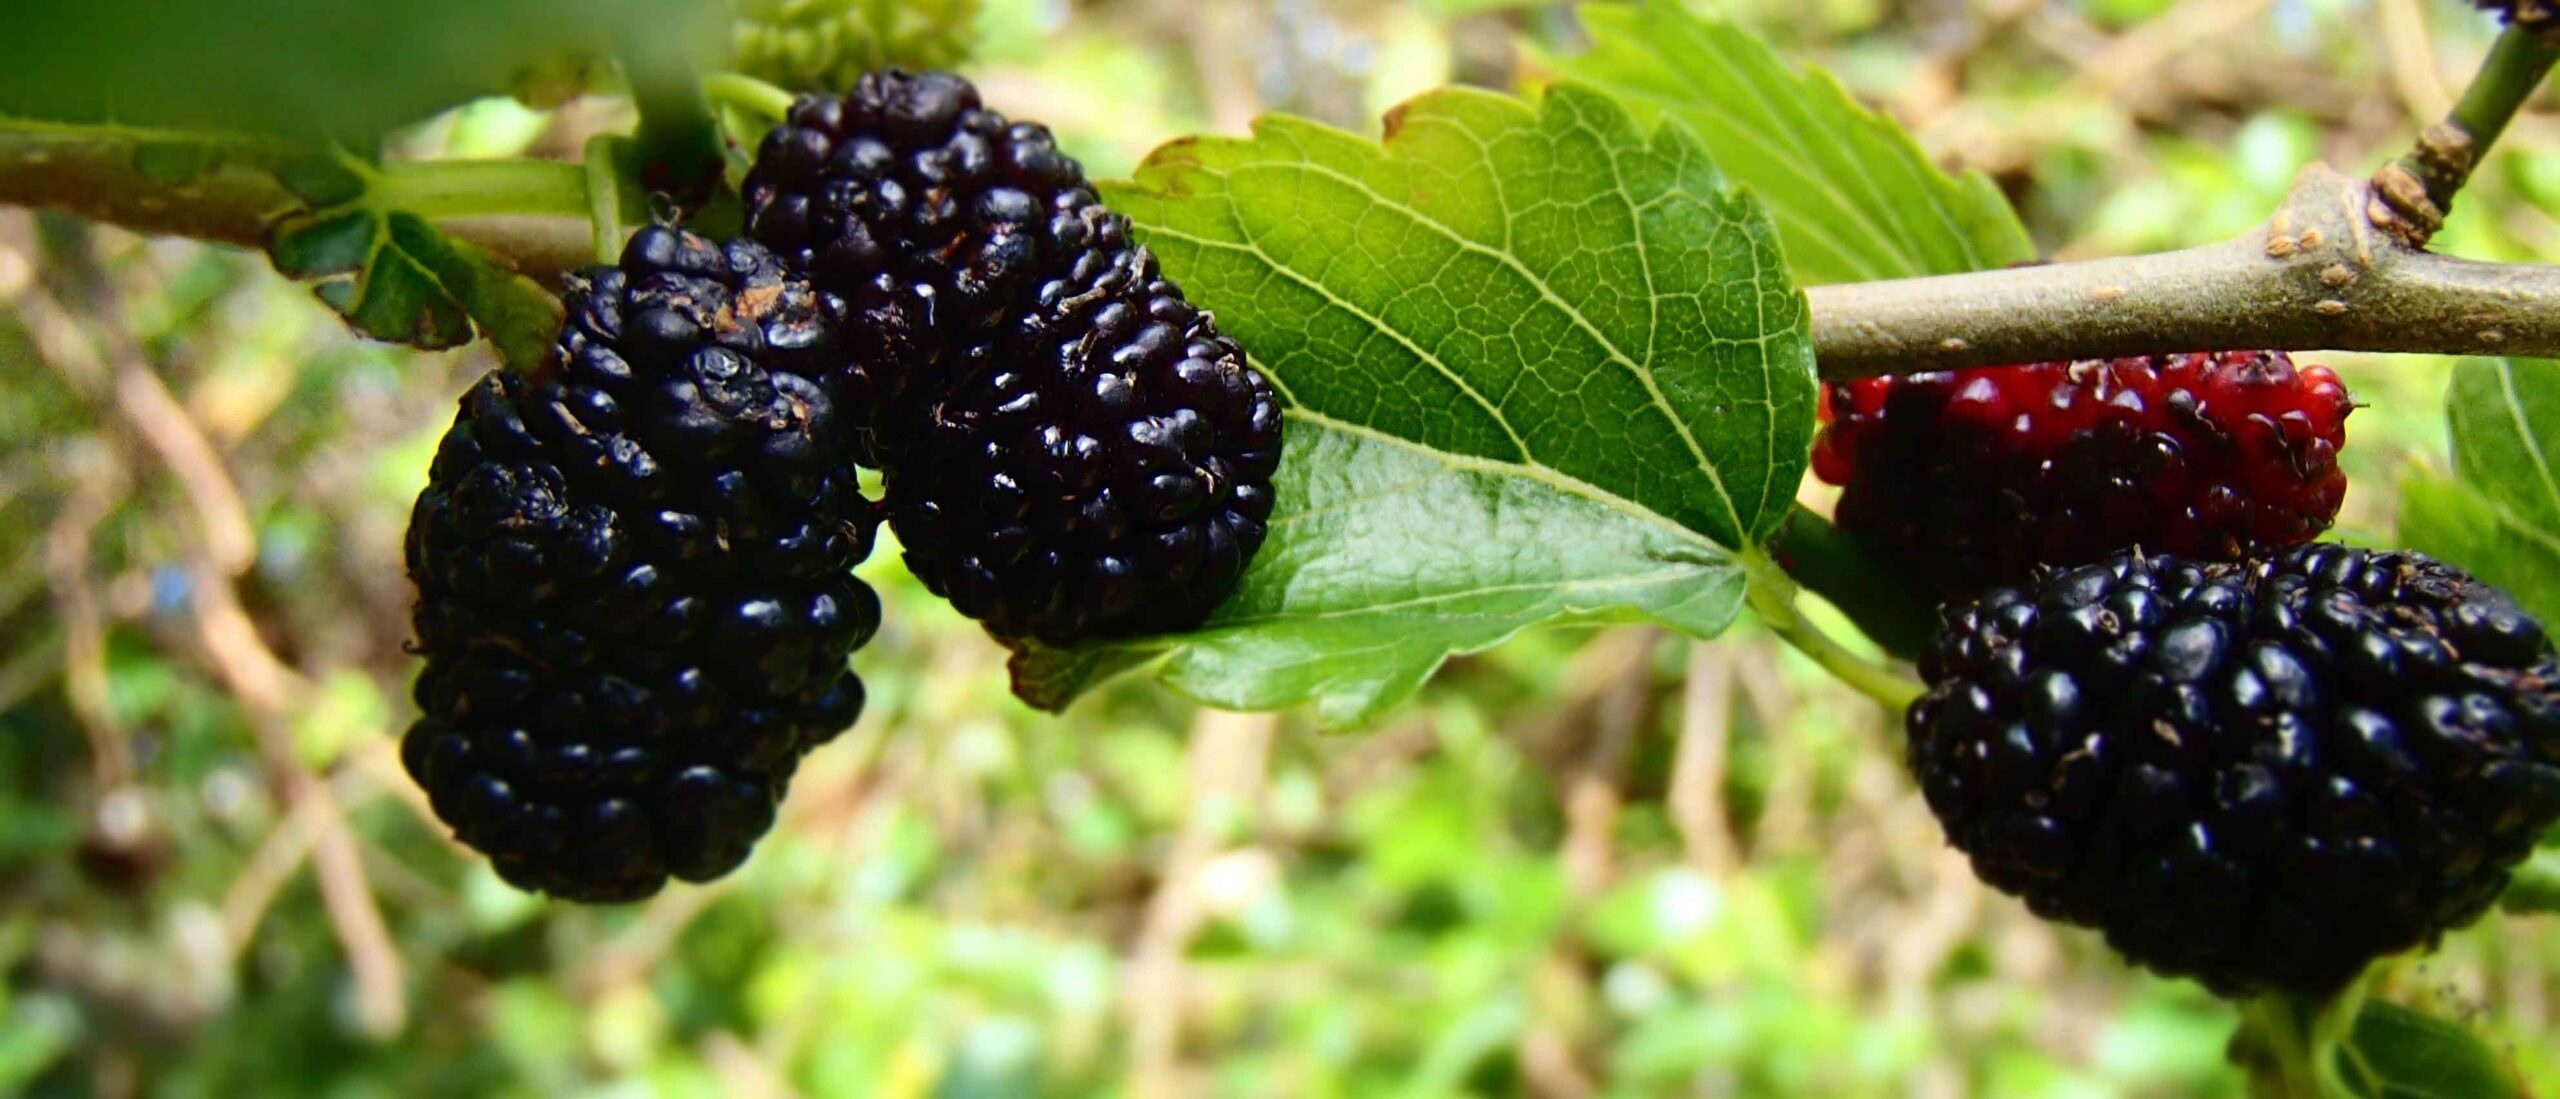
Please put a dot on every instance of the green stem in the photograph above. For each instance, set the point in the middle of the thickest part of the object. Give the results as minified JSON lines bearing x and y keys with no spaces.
{"x":1773,"y":598}
{"x":2276,"y":1020}
{"x":2331,"y":1029}
{"x":2416,"y":190}
{"x":678,"y":144}
{"x":748,"y":94}
{"x":1890,"y":611}
{"x":604,"y":195}
{"x":2304,"y":1036}
{"x":440,"y":190}
{"x":2516,"y":65}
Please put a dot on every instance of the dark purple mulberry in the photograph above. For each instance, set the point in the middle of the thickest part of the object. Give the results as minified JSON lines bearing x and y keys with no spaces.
{"x":2261,"y":774}
{"x":924,"y":220}
{"x":632,"y":569}
{"x":1109,"y":475}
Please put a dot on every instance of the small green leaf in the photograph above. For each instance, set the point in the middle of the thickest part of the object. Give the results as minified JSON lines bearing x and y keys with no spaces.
{"x":2397,"y":1053}
{"x":1854,"y":197}
{"x":2293,"y":1046}
{"x":1539,"y":363}
{"x":2501,"y":518}
{"x":395,"y":277}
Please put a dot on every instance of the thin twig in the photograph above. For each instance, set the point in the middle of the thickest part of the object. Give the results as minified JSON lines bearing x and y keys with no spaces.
{"x":84,"y":649}
{"x":254,"y":889}
{"x":742,"y":1072}
{"x":1592,"y":780}
{"x":2413,"y":59}
{"x":1786,"y":821}
{"x":1696,"y":797}
{"x":99,"y":178}
{"x":633,"y":954}
{"x":1225,"y":764}
{"x":2136,"y":53}
{"x":229,"y":642}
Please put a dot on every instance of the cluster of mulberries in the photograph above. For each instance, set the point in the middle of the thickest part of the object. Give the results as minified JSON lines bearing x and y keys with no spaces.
{"x":633,"y":564}
{"x":2262,"y":774}
{"x":1976,"y":477}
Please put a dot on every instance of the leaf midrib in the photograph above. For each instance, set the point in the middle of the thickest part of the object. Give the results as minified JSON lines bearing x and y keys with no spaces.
{"x":1529,"y":470}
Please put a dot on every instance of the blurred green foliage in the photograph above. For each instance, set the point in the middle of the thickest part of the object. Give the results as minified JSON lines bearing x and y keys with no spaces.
{"x":1584,"y":863}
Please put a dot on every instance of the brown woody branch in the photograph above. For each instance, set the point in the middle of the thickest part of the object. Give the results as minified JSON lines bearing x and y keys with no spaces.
{"x":2321,"y":274}
{"x":2318,"y":275}
{"x":104,"y":180}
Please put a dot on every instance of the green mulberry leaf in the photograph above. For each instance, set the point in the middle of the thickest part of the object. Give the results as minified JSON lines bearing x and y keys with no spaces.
{"x":1539,"y":362}
{"x":2500,"y":516}
{"x":2398,"y":1053}
{"x":1854,"y":197}
{"x":2293,"y":1045}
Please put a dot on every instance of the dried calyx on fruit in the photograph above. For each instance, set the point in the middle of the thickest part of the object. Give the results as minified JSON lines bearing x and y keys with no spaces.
{"x":2540,"y":16}
{"x":2261,"y":774}
{"x":632,"y":569}
{"x":1072,"y":450}
{"x":1976,"y":477}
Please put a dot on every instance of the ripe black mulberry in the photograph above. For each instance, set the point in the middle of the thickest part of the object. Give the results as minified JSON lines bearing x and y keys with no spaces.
{"x":632,"y":570}
{"x":2261,"y":774}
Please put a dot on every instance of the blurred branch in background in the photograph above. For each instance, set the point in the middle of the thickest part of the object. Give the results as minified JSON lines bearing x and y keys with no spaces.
{"x":1225,"y":767}
{"x":78,"y":311}
{"x":1698,"y":772}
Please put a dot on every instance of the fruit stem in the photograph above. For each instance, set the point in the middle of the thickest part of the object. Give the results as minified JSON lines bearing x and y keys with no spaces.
{"x":2276,"y":1021}
{"x":1829,"y":564}
{"x":2304,"y":1035}
{"x":1773,"y":598}
{"x":677,"y":149}
{"x":746,"y":93}
{"x":2416,"y":191}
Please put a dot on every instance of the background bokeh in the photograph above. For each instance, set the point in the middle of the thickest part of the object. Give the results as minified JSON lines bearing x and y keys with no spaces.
{"x":1586,"y":863}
